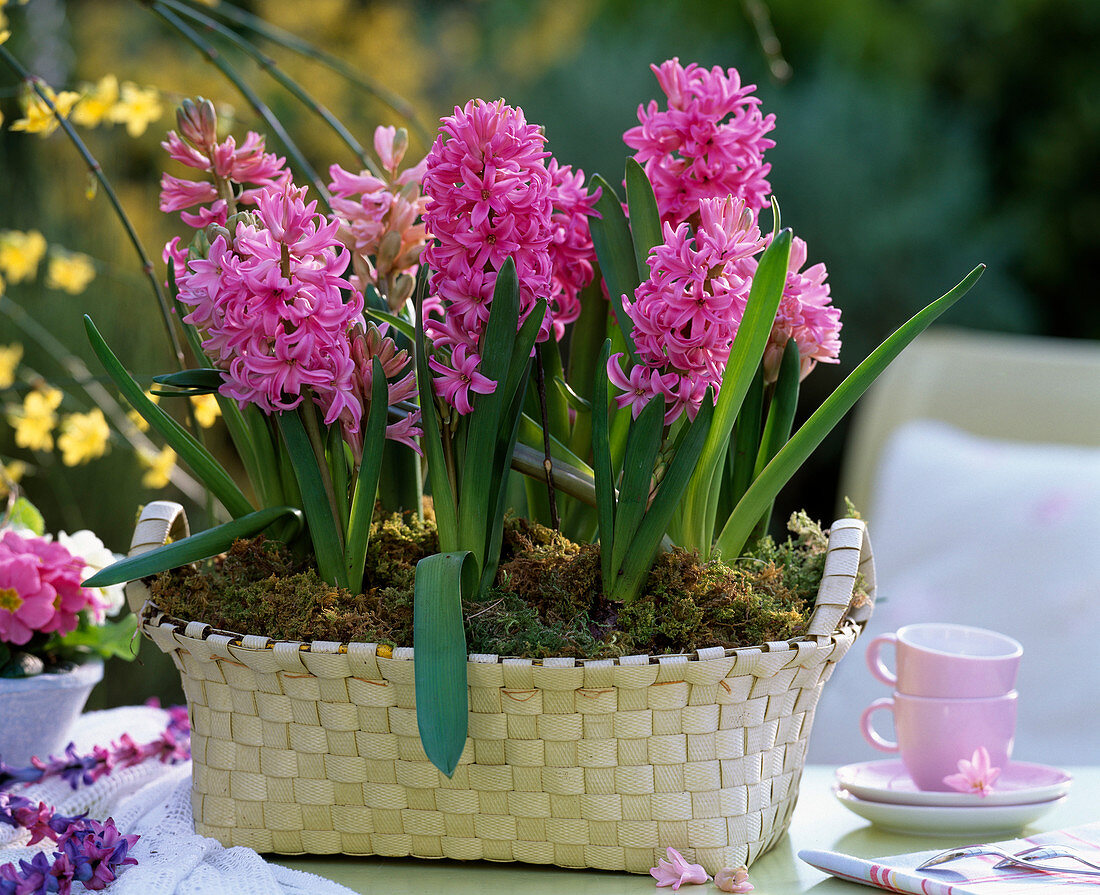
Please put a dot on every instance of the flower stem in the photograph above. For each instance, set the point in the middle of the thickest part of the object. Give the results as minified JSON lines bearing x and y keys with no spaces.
{"x":547,"y":463}
{"x":317,"y":441}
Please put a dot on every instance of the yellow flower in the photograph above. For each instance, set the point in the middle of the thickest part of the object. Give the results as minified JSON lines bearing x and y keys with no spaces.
{"x":11,"y":474}
{"x":70,"y":271}
{"x":10,"y":355}
{"x":95,"y":106}
{"x":38,"y":117}
{"x":35,"y":421}
{"x":207,"y":410}
{"x":138,"y":107}
{"x":84,"y":437}
{"x":20,"y":253}
{"x":158,"y":467}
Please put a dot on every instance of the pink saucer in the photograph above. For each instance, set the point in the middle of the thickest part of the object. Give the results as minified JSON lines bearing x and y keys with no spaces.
{"x":1020,"y":783}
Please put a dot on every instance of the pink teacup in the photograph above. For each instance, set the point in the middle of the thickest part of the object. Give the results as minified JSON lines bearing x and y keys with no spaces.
{"x":939,"y":659}
{"x":934,"y":734}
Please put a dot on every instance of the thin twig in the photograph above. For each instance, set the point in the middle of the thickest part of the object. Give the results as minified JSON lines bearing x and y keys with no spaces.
{"x":292,"y":42}
{"x":269,"y":65}
{"x":120,"y":212}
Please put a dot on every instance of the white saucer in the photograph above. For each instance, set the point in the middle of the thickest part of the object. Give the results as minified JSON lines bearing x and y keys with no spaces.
{"x":930,"y":820}
{"x":1020,"y":783}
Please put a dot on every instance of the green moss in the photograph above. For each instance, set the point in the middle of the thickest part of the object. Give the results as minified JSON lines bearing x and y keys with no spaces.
{"x":547,"y":600}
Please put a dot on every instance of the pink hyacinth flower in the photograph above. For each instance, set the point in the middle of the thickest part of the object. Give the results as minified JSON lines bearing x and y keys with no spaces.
{"x":676,"y":871}
{"x":975,"y":776}
{"x":733,"y":880}
{"x":708,"y":143}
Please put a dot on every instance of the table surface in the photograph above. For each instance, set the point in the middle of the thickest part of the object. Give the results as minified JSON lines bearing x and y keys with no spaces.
{"x":819,"y":821}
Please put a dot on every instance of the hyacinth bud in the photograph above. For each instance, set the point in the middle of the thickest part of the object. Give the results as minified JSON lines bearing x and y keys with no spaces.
{"x":400,"y":145}
{"x":388,"y":248}
{"x":198,"y":122}
{"x":402,"y":289}
{"x":200,"y":244}
{"x":248,"y":218}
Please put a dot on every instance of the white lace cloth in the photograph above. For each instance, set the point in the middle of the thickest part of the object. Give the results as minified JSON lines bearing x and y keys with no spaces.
{"x":154,"y":800}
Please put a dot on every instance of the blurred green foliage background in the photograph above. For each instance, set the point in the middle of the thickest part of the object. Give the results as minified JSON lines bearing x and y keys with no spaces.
{"x":915,"y":138}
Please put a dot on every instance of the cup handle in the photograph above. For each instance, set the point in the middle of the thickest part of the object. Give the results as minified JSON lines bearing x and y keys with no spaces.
{"x":869,"y":733}
{"x":874,"y":659}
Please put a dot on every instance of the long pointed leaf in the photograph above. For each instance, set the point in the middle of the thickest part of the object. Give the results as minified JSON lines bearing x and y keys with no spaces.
{"x":777,"y":430}
{"x":199,"y":381}
{"x":642,"y":446}
{"x":191,"y":549}
{"x":208,"y":470}
{"x":645,"y":219}
{"x":497,"y":351}
{"x":399,"y":323}
{"x":615,"y":251}
{"x":443,"y":496}
{"x":647,"y":541}
{"x":812,"y":432}
{"x":746,"y":442}
{"x":439,"y":656}
{"x":327,"y":544}
{"x":366,"y":483}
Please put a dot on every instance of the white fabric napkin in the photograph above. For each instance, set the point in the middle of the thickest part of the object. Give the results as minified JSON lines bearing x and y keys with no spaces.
{"x":154,"y":800}
{"x":968,"y":876}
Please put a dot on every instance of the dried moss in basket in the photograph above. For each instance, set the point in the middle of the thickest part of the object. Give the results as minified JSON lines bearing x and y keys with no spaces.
{"x":547,"y":599}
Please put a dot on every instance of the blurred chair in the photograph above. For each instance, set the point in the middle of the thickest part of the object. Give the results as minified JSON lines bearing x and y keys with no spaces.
{"x":976,"y":461}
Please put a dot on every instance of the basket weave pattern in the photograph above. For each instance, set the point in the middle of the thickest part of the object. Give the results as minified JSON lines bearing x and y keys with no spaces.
{"x":603,"y":764}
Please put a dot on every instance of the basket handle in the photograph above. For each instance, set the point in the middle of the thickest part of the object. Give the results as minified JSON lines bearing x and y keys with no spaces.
{"x":159,"y":521}
{"x":847,"y":555}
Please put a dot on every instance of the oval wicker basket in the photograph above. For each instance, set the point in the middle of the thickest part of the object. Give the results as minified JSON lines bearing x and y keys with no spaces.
{"x":313,"y":748}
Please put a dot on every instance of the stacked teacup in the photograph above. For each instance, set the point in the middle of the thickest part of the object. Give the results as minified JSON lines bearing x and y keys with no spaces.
{"x":953,"y":695}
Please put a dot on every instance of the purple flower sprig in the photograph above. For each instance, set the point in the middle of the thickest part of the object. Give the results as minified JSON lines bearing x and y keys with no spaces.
{"x":88,"y":851}
{"x":171,"y":747}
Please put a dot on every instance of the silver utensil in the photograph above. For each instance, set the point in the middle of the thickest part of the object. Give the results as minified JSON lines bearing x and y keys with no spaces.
{"x":1029,"y":858}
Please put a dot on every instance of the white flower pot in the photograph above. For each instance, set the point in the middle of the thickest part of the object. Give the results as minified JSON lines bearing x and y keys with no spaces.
{"x":37,"y":713}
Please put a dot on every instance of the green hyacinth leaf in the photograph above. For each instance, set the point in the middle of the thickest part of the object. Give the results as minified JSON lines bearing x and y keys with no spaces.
{"x":439,"y":651}
{"x":191,"y":549}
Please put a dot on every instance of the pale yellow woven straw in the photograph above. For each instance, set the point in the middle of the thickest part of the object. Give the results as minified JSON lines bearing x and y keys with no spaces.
{"x":313,"y":748}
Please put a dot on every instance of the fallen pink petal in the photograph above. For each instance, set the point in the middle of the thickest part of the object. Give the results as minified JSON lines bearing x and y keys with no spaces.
{"x":734,"y":879}
{"x":676,"y":871}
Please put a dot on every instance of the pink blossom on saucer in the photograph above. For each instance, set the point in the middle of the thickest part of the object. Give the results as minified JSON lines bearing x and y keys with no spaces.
{"x":676,"y":871}
{"x":733,"y":880}
{"x":975,"y":776}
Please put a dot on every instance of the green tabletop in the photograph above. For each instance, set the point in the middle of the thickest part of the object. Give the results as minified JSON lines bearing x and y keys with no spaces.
{"x":819,"y":822}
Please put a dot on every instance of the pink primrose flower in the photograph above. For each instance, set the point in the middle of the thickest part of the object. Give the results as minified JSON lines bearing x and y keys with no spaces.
{"x":807,"y":315}
{"x":488,"y":198}
{"x":676,"y":871}
{"x":733,"y":880}
{"x":975,"y":776}
{"x":687,"y":313}
{"x":40,"y":588}
{"x":709,"y":141}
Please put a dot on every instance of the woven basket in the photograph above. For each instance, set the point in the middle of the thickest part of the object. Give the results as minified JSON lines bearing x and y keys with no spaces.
{"x":313,"y":748}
